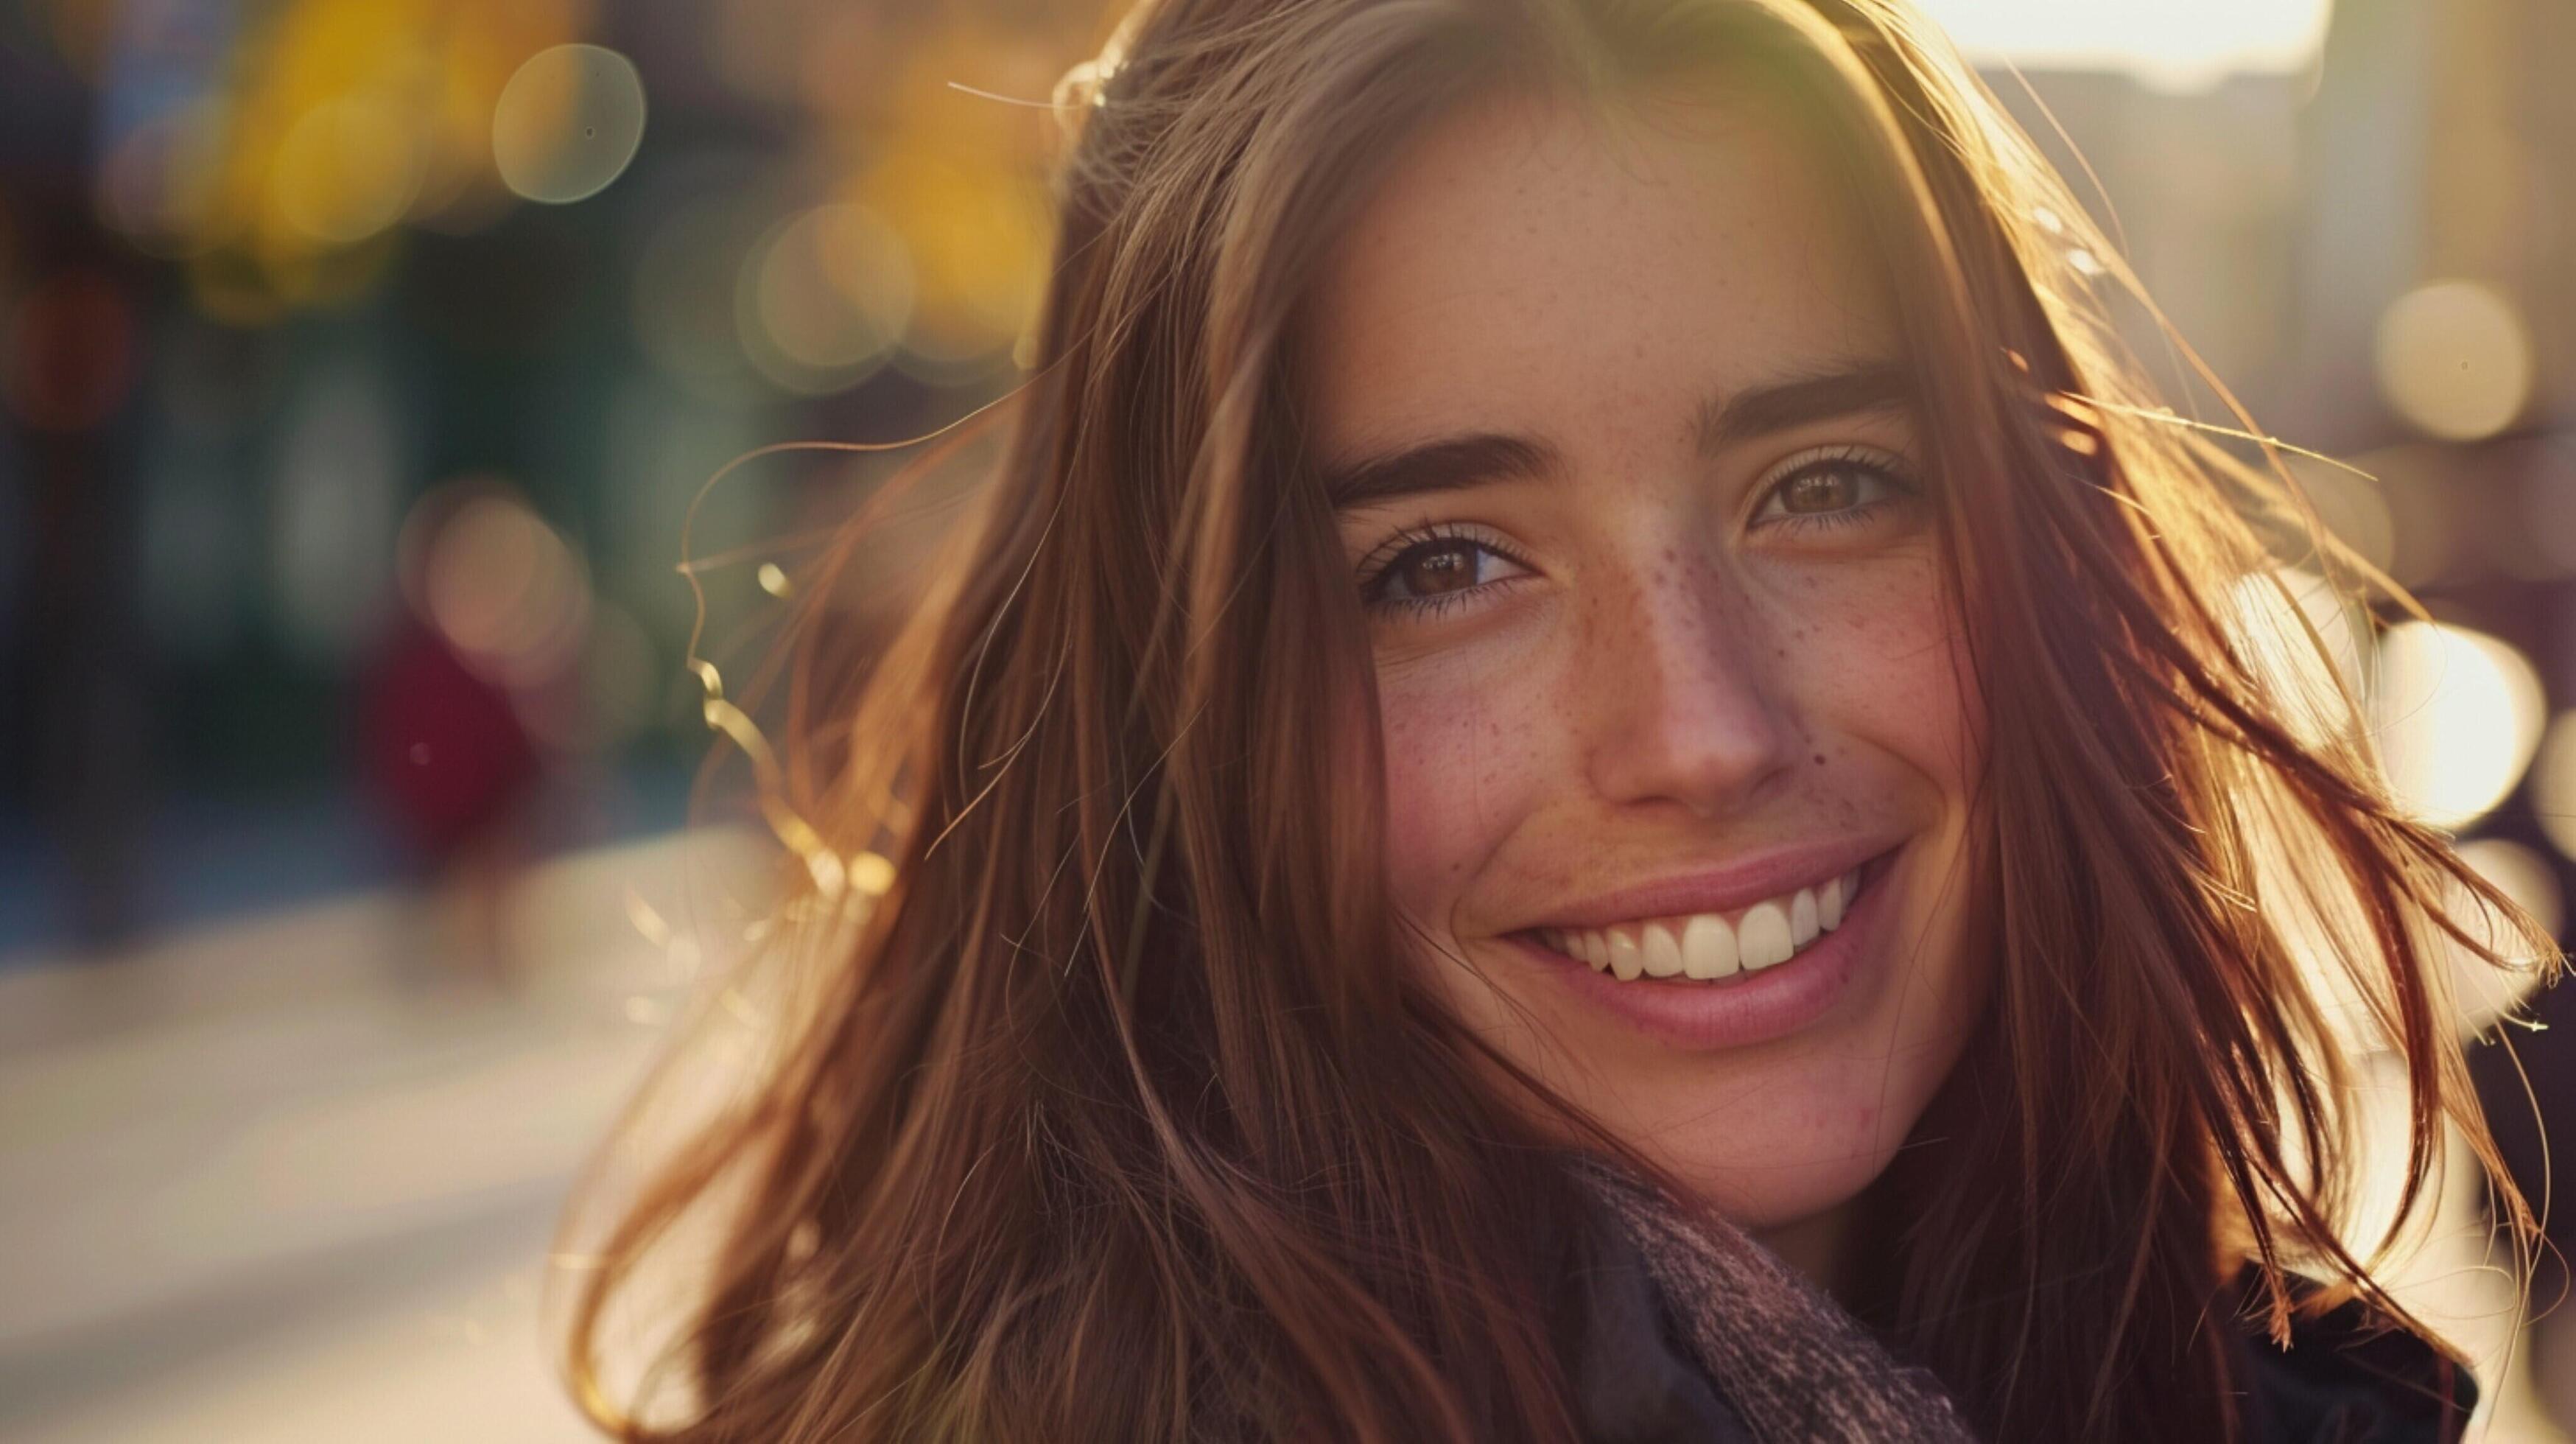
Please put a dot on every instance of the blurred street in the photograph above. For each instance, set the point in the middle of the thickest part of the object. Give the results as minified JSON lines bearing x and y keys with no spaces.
{"x":294,"y":1178}
{"x":266,"y":1182}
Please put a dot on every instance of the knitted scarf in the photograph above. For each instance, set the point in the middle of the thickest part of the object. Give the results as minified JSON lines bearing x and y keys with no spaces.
{"x":1788,"y":1358}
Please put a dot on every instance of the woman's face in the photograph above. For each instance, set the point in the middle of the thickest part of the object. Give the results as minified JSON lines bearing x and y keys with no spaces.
{"x":1678,"y":739}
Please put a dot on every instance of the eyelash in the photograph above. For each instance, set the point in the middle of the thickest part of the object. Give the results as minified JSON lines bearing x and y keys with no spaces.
{"x":1885,"y":466}
{"x":1380,"y":565}
{"x":1381,"y":562}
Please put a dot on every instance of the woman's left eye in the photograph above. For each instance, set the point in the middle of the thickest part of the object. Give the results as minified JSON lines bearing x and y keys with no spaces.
{"x":1840,"y":486}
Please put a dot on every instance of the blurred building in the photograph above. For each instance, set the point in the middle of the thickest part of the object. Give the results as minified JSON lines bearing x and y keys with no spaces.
{"x":275,"y":277}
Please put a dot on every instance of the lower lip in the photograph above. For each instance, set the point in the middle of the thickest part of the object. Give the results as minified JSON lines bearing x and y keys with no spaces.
{"x":1752,"y":1007}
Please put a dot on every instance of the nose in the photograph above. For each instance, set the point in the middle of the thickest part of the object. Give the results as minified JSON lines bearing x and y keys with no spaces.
{"x":1682,"y":691}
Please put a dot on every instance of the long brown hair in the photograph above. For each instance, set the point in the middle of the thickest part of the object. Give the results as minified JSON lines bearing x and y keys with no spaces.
{"x":1106,"y":1112}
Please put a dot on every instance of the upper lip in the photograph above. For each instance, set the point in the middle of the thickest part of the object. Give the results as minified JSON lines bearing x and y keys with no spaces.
{"x":1718,"y":889}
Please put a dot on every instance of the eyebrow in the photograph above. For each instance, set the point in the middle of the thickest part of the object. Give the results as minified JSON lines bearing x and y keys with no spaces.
{"x":1451,"y":463}
{"x":1799,"y":400}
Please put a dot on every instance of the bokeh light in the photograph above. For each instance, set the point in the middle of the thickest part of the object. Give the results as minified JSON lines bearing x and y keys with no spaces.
{"x":977,"y":234}
{"x":499,"y":584}
{"x":567,"y":123}
{"x":348,"y":169}
{"x":824,"y":298}
{"x":2455,"y":360}
{"x":2521,"y":874}
{"x":2457,"y":714}
{"x":2553,"y":783}
{"x":2481,"y":991}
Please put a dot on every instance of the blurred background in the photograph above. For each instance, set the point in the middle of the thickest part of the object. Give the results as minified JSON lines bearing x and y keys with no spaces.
{"x":362,"y":362}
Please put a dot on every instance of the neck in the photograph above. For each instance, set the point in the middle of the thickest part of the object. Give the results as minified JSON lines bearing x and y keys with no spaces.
{"x":1814,"y":1246}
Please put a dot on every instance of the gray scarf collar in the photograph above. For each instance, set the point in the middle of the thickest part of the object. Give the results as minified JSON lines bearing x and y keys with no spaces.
{"x":1792,"y":1365}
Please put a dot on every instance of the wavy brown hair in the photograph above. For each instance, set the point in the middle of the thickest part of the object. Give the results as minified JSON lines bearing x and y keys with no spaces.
{"x":1109,"y":1112}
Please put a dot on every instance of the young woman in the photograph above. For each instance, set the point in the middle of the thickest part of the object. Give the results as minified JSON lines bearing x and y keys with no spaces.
{"x":1592,"y":774}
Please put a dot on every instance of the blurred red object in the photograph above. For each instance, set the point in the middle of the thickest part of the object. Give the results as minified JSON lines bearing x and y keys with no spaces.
{"x":441,"y":746}
{"x":70,"y":353}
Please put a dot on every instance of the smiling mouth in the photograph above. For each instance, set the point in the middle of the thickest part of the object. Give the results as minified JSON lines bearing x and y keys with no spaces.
{"x":1716,"y":947}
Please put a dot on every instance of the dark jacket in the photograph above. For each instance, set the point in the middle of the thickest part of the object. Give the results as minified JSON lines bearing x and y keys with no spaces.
{"x":2340,"y":1382}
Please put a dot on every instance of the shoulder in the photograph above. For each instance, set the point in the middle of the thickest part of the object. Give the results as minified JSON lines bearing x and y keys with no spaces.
{"x":2349,"y":1376}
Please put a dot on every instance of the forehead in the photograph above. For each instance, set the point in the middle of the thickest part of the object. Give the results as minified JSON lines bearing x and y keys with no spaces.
{"x":1532,"y":260}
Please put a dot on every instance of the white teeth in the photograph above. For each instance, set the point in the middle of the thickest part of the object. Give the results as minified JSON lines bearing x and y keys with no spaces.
{"x":1763,"y":939}
{"x":1627,"y":960}
{"x":1708,"y":947}
{"x":1705,"y":946}
{"x":1663,"y":952}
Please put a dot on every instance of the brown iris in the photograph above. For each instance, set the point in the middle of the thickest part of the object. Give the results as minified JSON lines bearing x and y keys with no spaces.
{"x":1822,"y":490}
{"x":1434,"y":570}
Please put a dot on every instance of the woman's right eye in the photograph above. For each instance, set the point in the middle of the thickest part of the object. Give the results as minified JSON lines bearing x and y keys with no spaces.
{"x":1436,"y":572}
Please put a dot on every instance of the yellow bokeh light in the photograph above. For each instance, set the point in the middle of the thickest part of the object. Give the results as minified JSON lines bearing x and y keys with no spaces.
{"x":568,"y":123}
{"x":2457,"y":714}
{"x":282,"y":186}
{"x":978,"y":235}
{"x":2455,"y":360}
{"x":348,"y":169}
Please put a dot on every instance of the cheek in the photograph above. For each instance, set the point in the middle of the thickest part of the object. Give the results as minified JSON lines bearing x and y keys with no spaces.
{"x":1889,"y":669}
{"x":1467,"y":754}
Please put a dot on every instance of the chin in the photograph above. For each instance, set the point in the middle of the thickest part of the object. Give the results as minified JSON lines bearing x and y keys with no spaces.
{"x":1777,"y":1197}
{"x":1819,"y":1143}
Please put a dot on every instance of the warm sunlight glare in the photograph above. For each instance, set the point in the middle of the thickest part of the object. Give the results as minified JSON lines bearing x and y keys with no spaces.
{"x":2175,"y":44}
